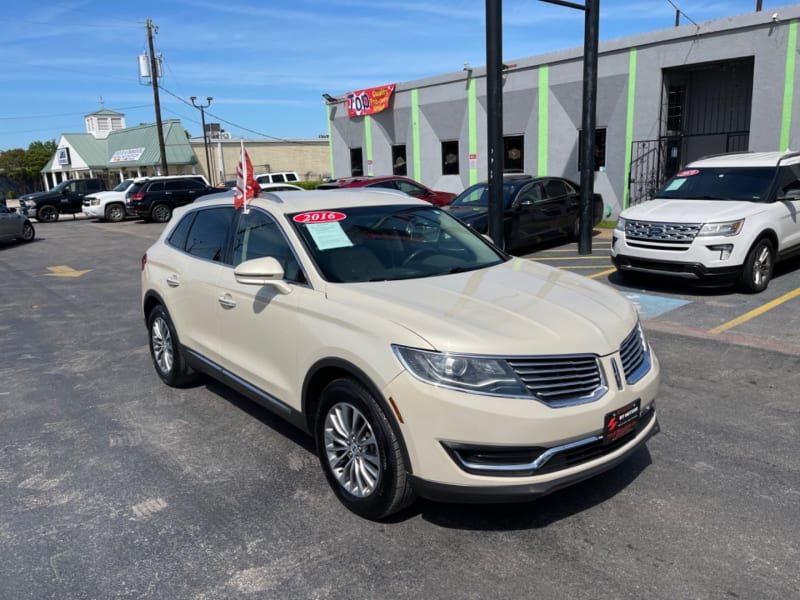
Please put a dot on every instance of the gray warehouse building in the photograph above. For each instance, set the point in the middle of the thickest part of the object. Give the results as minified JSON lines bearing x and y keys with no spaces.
{"x":663,"y":98}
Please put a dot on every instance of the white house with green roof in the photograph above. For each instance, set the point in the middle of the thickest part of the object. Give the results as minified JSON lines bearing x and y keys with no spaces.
{"x":110,"y":150}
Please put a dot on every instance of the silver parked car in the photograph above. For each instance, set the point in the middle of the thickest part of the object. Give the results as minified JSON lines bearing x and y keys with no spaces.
{"x":14,"y":226}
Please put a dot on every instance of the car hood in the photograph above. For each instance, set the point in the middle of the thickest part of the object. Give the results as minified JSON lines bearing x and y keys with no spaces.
{"x":515,"y":308}
{"x":107,"y":195}
{"x":471,"y":215}
{"x":693,"y":211}
{"x":37,"y":195}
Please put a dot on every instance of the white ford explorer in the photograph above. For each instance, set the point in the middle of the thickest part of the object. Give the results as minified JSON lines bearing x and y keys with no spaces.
{"x":723,"y":219}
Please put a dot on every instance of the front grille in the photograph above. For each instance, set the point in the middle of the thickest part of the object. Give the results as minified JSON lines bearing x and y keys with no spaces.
{"x":634,"y":356}
{"x":560,"y":380}
{"x":661,"y":236}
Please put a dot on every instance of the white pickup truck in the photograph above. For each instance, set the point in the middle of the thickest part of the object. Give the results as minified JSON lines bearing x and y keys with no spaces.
{"x":721,"y":220}
{"x":107,"y":206}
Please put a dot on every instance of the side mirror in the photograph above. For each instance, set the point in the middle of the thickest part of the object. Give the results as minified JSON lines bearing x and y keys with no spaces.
{"x":262,"y":271}
{"x":790,"y":195}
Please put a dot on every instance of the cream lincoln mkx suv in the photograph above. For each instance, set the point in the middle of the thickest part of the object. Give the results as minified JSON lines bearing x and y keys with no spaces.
{"x":423,"y":360}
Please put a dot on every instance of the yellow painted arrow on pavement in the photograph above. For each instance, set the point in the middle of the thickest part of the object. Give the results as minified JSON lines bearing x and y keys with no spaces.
{"x":65,"y":271}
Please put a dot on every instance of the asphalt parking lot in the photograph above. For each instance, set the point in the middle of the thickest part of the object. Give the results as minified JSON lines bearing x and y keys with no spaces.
{"x":115,"y":486}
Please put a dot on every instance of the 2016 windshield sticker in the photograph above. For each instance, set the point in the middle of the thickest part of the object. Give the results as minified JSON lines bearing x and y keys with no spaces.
{"x":688,"y":173}
{"x":320,"y":216}
{"x":328,"y":235}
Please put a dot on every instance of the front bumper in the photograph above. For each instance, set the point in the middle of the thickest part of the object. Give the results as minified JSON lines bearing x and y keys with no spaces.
{"x":435,"y":421}
{"x":93,"y":212}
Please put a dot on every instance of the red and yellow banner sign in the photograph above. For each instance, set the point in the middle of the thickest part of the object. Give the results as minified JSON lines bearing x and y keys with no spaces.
{"x":367,"y":102}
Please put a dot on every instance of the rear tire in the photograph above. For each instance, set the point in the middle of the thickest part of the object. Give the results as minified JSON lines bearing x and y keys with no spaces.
{"x":757,"y":268}
{"x":359,"y":452}
{"x":47,"y":214}
{"x":161,"y":213}
{"x":115,"y":213}
{"x":165,"y":350}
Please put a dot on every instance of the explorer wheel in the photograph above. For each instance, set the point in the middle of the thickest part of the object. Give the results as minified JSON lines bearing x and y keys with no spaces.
{"x":165,"y":349}
{"x":757,"y":270}
{"x":47,"y":214}
{"x":115,"y":213}
{"x":28,"y":232}
{"x":359,"y":452}
{"x":161,"y":213}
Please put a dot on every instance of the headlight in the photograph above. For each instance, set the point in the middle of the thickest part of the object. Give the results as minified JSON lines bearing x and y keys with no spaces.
{"x":476,"y":374}
{"x":724,"y":228}
{"x":620,"y":226}
{"x":94,"y":201}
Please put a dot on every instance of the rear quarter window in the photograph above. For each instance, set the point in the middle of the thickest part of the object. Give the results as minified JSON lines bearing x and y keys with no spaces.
{"x":208,"y":233}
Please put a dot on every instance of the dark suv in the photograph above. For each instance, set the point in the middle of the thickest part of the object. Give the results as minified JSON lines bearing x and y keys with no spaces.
{"x":66,"y":197}
{"x":154,"y":198}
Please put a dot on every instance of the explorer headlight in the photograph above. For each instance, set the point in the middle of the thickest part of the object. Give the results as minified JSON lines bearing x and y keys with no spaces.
{"x":620,"y":226}
{"x":476,"y":374}
{"x":724,"y":228}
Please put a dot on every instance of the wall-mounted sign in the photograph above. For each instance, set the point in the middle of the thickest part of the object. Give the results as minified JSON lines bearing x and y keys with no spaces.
{"x":127,"y":155}
{"x":368,"y":102}
{"x":62,"y":156}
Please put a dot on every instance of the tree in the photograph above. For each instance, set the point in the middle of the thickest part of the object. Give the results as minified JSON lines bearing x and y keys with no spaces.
{"x":23,"y":167}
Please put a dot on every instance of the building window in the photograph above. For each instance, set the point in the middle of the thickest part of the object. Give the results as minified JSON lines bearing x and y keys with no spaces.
{"x":450,"y":158}
{"x":513,"y":155}
{"x":116,"y":123}
{"x":399,"y":160}
{"x":675,"y":104}
{"x":599,"y":149}
{"x":356,"y":162}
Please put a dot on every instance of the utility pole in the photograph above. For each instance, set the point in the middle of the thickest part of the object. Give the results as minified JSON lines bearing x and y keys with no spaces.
{"x":494,"y":117}
{"x":154,"y":79}
{"x":203,"y":108}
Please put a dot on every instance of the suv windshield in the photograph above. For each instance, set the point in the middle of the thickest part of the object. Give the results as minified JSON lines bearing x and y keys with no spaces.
{"x":380,"y":243}
{"x":122,"y":186}
{"x":720,"y":183}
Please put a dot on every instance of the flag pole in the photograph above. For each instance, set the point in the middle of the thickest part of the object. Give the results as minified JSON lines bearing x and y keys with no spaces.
{"x":244,"y":171}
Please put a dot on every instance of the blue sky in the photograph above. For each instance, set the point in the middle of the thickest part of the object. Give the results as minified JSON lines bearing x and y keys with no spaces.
{"x":267,"y":64}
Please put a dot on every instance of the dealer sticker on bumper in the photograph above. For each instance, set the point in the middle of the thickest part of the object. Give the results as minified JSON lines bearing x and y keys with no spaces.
{"x":621,"y":422}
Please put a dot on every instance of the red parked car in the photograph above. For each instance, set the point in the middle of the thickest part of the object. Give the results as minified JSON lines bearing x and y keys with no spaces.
{"x":393,"y":182}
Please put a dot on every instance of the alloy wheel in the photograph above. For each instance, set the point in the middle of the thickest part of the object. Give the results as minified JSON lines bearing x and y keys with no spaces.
{"x":161,"y":340}
{"x":352,"y":450}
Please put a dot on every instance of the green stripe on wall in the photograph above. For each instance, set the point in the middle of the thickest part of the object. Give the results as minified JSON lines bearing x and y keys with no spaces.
{"x":415,"y":132}
{"x":788,"y":86}
{"x":368,"y":142}
{"x":544,"y":119}
{"x":629,"y":126}
{"x":329,"y":109}
{"x":473,"y":133}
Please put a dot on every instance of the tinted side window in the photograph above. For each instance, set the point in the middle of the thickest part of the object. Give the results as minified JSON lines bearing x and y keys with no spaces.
{"x":555,"y":188}
{"x":278,"y":178}
{"x":257,"y":235}
{"x":156,"y":186}
{"x":410,"y":188}
{"x":178,"y":236}
{"x":384,"y":184}
{"x":790,"y":178}
{"x":291,"y":177}
{"x":207,"y":235}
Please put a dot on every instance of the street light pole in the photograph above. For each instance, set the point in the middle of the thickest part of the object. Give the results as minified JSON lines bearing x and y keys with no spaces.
{"x":203,"y":108}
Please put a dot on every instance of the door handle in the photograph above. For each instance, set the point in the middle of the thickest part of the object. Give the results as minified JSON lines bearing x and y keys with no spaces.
{"x":173,"y":281}
{"x":227,"y":301}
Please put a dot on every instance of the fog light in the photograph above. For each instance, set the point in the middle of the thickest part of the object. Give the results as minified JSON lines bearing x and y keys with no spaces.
{"x":723,"y":249}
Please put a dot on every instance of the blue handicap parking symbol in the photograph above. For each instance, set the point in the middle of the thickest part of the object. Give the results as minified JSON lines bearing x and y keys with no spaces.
{"x":650,"y":307}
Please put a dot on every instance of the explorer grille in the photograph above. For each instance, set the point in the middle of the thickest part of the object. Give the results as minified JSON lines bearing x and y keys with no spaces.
{"x":560,"y":380}
{"x":662,"y":236}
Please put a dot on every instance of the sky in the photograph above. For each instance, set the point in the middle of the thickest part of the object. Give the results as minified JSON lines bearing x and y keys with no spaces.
{"x":266,"y":64}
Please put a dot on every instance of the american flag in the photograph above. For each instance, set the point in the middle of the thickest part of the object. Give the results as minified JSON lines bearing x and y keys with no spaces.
{"x":246,"y":185}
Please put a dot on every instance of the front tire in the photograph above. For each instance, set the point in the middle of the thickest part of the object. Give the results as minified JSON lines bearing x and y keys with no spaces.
{"x":359,"y":452}
{"x":757,"y":268}
{"x":115,"y":213}
{"x":28,"y":232}
{"x":47,"y":214}
{"x":161,"y":213}
{"x":165,"y":350}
